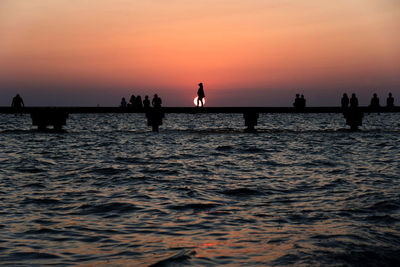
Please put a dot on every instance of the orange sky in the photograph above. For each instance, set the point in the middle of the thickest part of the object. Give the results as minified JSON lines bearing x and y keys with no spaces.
{"x":255,"y":52}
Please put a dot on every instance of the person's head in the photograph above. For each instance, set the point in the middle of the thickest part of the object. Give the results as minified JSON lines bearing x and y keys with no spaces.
{"x":123,"y":99}
{"x":375,"y":95}
{"x":302,"y":96}
{"x":344,"y":95}
{"x":17,"y":95}
{"x":200,"y":84}
{"x":353,"y":95}
{"x":146,"y":97}
{"x":297,"y":95}
{"x":390,"y":94}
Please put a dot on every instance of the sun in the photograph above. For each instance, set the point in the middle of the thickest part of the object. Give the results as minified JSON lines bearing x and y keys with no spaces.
{"x":195,"y":101}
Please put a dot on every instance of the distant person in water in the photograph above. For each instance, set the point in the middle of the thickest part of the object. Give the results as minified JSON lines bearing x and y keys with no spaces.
{"x":146,"y":102}
{"x":374,"y":102}
{"x":297,"y":101}
{"x":353,"y":101}
{"x":139,"y":103}
{"x":17,"y":102}
{"x":302,"y":101}
{"x":132,"y":101}
{"x":345,"y":101}
{"x":390,"y":101}
{"x":156,"y":102}
{"x":123,"y":103}
{"x":200,"y":94}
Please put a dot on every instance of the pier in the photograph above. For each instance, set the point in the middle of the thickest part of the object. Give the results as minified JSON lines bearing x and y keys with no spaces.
{"x":42,"y":117}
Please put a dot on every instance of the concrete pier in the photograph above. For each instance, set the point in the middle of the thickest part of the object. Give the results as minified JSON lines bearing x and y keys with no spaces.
{"x":56,"y":116}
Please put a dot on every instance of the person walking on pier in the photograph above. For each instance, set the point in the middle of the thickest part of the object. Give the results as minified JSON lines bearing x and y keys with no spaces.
{"x":17,"y":102}
{"x":345,"y":101}
{"x":353,"y":101}
{"x":156,"y":102}
{"x":146,"y":102}
{"x":390,"y":101}
{"x":200,"y":95}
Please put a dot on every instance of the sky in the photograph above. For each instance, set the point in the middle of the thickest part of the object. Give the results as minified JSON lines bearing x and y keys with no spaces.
{"x":246,"y":53}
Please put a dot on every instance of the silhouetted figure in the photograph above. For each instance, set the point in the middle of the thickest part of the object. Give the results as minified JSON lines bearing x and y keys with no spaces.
{"x":302,"y":101}
{"x":200,"y":94}
{"x":123,"y":103}
{"x":146,"y":102}
{"x":139,"y":103}
{"x":390,"y":101}
{"x":132,"y":101}
{"x":17,"y":102}
{"x":297,"y":101}
{"x":353,"y":114}
{"x":156,"y":102}
{"x":374,"y":102}
{"x":353,"y":101}
{"x":345,"y":101}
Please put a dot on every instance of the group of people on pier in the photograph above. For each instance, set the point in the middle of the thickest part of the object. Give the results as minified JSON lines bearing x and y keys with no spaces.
{"x":137,"y":103}
{"x":299,"y":102}
{"x":353,"y":101}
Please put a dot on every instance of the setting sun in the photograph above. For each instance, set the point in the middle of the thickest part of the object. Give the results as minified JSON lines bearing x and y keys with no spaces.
{"x":195,"y":101}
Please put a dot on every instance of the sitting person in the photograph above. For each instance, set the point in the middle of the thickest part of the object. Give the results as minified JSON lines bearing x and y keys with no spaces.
{"x":17,"y":102}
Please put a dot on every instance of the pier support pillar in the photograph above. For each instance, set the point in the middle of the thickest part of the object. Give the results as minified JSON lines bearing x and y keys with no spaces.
{"x":154,"y":118}
{"x":250,"y":120}
{"x":353,"y":118}
{"x":47,"y":117}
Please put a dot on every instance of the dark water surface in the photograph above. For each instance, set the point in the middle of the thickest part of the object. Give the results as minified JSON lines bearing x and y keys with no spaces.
{"x":108,"y":191}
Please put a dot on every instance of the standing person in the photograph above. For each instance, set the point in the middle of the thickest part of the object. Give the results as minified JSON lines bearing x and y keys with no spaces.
{"x":156,"y":102}
{"x":390,"y":101}
{"x":297,"y":101}
{"x":132,"y":101}
{"x":200,"y":95}
{"x":353,"y":101}
{"x":17,"y":102}
{"x":302,"y":101}
{"x":123,"y":103}
{"x":345,"y":101}
{"x":139,"y":103}
{"x":146,"y":102}
{"x":374,"y":101}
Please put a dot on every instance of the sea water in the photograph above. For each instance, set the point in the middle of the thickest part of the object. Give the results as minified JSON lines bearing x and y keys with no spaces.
{"x":303,"y":190}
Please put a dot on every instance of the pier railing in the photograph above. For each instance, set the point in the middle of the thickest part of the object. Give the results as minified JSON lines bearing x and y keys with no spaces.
{"x":57,"y":116}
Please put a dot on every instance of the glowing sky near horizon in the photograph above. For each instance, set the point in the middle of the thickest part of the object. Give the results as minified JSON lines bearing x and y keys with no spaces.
{"x":256,"y":52}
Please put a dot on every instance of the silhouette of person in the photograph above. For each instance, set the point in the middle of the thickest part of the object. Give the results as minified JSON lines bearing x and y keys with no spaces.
{"x":17,"y":102}
{"x":146,"y":102}
{"x":302,"y":101}
{"x":156,"y":102}
{"x":139,"y":103}
{"x":374,"y":102}
{"x":132,"y":101}
{"x":345,"y":101}
{"x":390,"y":101}
{"x":200,"y":94}
{"x":297,"y":101}
{"x":353,"y":101}
{"x":123,"y":103}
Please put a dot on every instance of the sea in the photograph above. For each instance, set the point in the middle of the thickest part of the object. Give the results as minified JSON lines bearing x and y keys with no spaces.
{"x":107,"y":191}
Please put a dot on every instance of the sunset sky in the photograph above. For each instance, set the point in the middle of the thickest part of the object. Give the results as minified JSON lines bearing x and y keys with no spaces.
{"x":247,"y":53}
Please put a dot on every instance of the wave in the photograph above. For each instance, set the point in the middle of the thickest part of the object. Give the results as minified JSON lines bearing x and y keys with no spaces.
{"x":178,"y":259}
